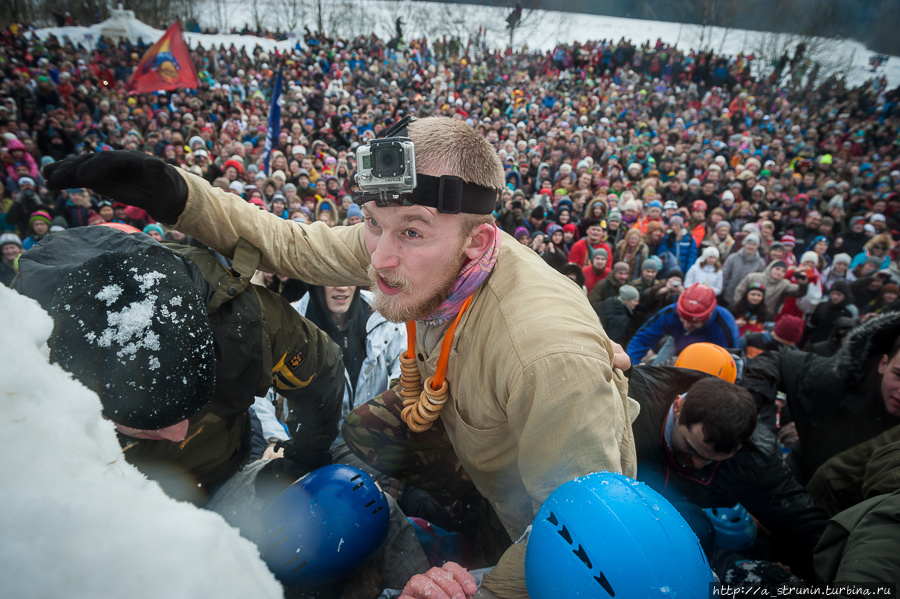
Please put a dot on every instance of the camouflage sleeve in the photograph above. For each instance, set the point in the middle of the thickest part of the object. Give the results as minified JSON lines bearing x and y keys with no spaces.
{"x":306,"y":369}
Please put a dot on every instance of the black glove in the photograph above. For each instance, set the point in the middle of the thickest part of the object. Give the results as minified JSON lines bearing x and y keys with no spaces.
{"x":130,"y":177}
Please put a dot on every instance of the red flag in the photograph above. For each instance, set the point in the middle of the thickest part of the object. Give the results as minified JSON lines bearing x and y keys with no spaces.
{"x":166,"y":65}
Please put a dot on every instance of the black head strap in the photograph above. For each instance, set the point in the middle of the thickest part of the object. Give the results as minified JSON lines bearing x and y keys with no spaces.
{"x":448,"y":193}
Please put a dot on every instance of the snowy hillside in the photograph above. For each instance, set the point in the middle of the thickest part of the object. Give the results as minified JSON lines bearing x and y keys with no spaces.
{"x":79,"y":521}
{"x":542,"y":30}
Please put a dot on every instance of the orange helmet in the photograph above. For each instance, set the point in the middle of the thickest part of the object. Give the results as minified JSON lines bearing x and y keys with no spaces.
{"x":121,"y":227}
{"x":709,"y":358}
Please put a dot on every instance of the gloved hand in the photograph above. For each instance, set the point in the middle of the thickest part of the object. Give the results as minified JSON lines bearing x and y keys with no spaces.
{"x":130,"y":177}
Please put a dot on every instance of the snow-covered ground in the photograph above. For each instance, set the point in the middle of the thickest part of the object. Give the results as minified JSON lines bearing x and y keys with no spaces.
{"x":541,"y":30}
{"x":77,"y":519}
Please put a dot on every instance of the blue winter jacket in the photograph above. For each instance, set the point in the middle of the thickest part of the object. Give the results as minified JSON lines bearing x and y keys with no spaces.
{"x":684,"y":249}
{"x":721,"y":330}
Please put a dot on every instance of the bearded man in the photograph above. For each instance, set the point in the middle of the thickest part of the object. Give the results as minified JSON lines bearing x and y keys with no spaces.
{"x":514,"y":424}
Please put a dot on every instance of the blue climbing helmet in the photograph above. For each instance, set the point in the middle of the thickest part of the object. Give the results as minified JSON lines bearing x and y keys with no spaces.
{"x":735,"y":529}
{"x":606,"y":535}
{"x":323,"y":527}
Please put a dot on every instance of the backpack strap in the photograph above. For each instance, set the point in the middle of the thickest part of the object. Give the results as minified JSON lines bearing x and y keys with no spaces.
{"x":243,"y":266}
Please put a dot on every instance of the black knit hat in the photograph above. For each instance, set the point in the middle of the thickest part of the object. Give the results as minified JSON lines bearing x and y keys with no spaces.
{"x":134,"y":330}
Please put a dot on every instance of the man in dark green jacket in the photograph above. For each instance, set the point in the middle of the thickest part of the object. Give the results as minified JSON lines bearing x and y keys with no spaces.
{"x":177,"y":347}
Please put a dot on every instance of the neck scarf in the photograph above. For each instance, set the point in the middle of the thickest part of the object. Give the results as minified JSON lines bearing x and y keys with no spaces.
{"x":472,"y":275}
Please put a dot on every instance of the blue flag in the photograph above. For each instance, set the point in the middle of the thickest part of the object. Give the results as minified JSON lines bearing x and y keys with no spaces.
{"x":274,"y":128}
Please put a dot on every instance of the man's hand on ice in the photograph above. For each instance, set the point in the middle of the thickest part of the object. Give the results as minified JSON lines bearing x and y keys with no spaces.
{"x":130,"y":177}
{"x":450,"y":582}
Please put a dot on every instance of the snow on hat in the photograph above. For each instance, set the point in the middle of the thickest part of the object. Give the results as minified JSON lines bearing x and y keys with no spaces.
{"x":10,"y":238}
{"x":842,"y":257}
{"x":789,"y":328}
{"x":628,"y":293}
{"x":25,"y":180}
{"x":788,"y":239}
{"x":133,"y":329}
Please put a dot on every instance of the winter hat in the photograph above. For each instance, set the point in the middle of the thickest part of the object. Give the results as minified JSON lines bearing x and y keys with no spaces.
{"x":788,"y":240}
{"x":237,"y":187}
{"x":675,"y":272}
{"x":778,"y":263}
{"x":857,"y":219}
{"x":676,"y":218}
{"x":708,"y":253}
{"x":723,"y":224}
{"x":651,"y":263}
{"x":789,"y":328}
{"x":39,"y":215}
{"x":614,"y":215}
{"x":844,"y":287}
{"x":571,"y":228}
{"x":628,"y":293}
{"x":752,"y":238}
{"x":809,"y":257}
{"x":355,"y":210}
{"x":520,"y":232}
{"x":727,"y":195}
{"x":257,"y":202}
{"x":154,"y":227}
{"x":10,"y":238}
{"x":889,"y":288}
{"x":869,"y":229}
{"x":620,"y":267}
{"x":24,"y":180}
{"x":133,"y":329}
{"x":844,"y":258}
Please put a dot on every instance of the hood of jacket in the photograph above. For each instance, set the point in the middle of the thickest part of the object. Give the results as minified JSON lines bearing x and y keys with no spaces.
{"x":866,"y":344}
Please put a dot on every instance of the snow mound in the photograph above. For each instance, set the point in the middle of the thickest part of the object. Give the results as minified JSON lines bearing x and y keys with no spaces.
{"x":77,"y":519}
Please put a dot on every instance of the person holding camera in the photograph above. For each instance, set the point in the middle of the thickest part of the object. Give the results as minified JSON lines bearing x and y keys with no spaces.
{"x":434,"y":257}
{"x":511,"y":217}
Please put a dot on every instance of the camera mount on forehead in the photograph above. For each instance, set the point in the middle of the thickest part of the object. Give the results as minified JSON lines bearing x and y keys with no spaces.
{"x":397,"y":183}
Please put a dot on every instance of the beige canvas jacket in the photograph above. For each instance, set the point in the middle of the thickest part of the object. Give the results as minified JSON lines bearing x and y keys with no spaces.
{"x":534,"y":400}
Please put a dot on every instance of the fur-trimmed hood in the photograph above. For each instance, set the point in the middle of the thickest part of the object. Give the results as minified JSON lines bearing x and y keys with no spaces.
{"x":865,"y":343}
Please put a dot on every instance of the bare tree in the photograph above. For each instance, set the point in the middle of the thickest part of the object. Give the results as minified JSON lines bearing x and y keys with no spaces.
{"x":259,"y":13}
{"x":292,"y":13}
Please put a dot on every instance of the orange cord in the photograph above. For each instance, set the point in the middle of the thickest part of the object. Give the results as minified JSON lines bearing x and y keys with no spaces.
{"x":441,"y":372}
{"x":410,"y":339}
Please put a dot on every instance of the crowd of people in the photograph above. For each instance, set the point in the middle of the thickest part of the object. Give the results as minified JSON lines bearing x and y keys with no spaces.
{"x":692,"y":197}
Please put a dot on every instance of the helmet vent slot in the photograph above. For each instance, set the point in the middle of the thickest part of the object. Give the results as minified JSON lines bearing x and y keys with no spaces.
{"x":564,"y":533}
{"x":582,"y":555}
{"x":605,"y":584}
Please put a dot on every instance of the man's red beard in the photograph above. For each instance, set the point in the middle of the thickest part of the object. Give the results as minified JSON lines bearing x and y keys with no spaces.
{"x":392,"y":306}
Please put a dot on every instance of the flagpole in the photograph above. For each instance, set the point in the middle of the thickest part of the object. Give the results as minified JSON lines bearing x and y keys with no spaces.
{"x":274,"y":127}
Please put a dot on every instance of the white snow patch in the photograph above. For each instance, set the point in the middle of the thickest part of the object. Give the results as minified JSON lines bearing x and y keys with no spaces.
{"x":82,"y":522}
{"x":108,"y":294}
{"x":130,"y":328}
{"x":148,"y":279}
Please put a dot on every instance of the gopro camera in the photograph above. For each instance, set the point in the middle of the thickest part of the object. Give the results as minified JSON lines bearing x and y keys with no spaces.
{"x":387,"y":166}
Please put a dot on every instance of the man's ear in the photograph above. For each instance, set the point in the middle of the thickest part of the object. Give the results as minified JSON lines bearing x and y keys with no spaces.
{"x":479,"y":241}
{"x":677,"y":405}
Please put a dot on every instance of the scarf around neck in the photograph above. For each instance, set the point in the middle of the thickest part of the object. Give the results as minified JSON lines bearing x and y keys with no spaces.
{"x":471,"y":276}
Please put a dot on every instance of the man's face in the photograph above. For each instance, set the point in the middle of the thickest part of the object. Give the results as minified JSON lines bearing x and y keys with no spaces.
{"x":813,"y":221}
{"x":621,"y":276}
{"x":338,"y":299}
{"x":750,"y":247}
{"x":777,"y":273}
{"x":690,"y":446}
{"x":649,"y":274}
{"x":890,"y":384}
{"x":691,"y":325}
{"x":416,"y":255}
{"x":595,"y":234}
{"x":599,"y":262}
{"x":836,"y":296}
{"x":10,"y":251}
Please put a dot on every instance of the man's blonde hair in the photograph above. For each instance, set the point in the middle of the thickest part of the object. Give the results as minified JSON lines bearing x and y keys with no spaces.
{"x":449,"y":146}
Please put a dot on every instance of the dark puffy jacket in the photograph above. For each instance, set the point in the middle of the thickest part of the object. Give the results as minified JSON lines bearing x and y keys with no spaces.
{"x":836,"y":402}
{"x":756,"y":476}
{"x":260,"y":342}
